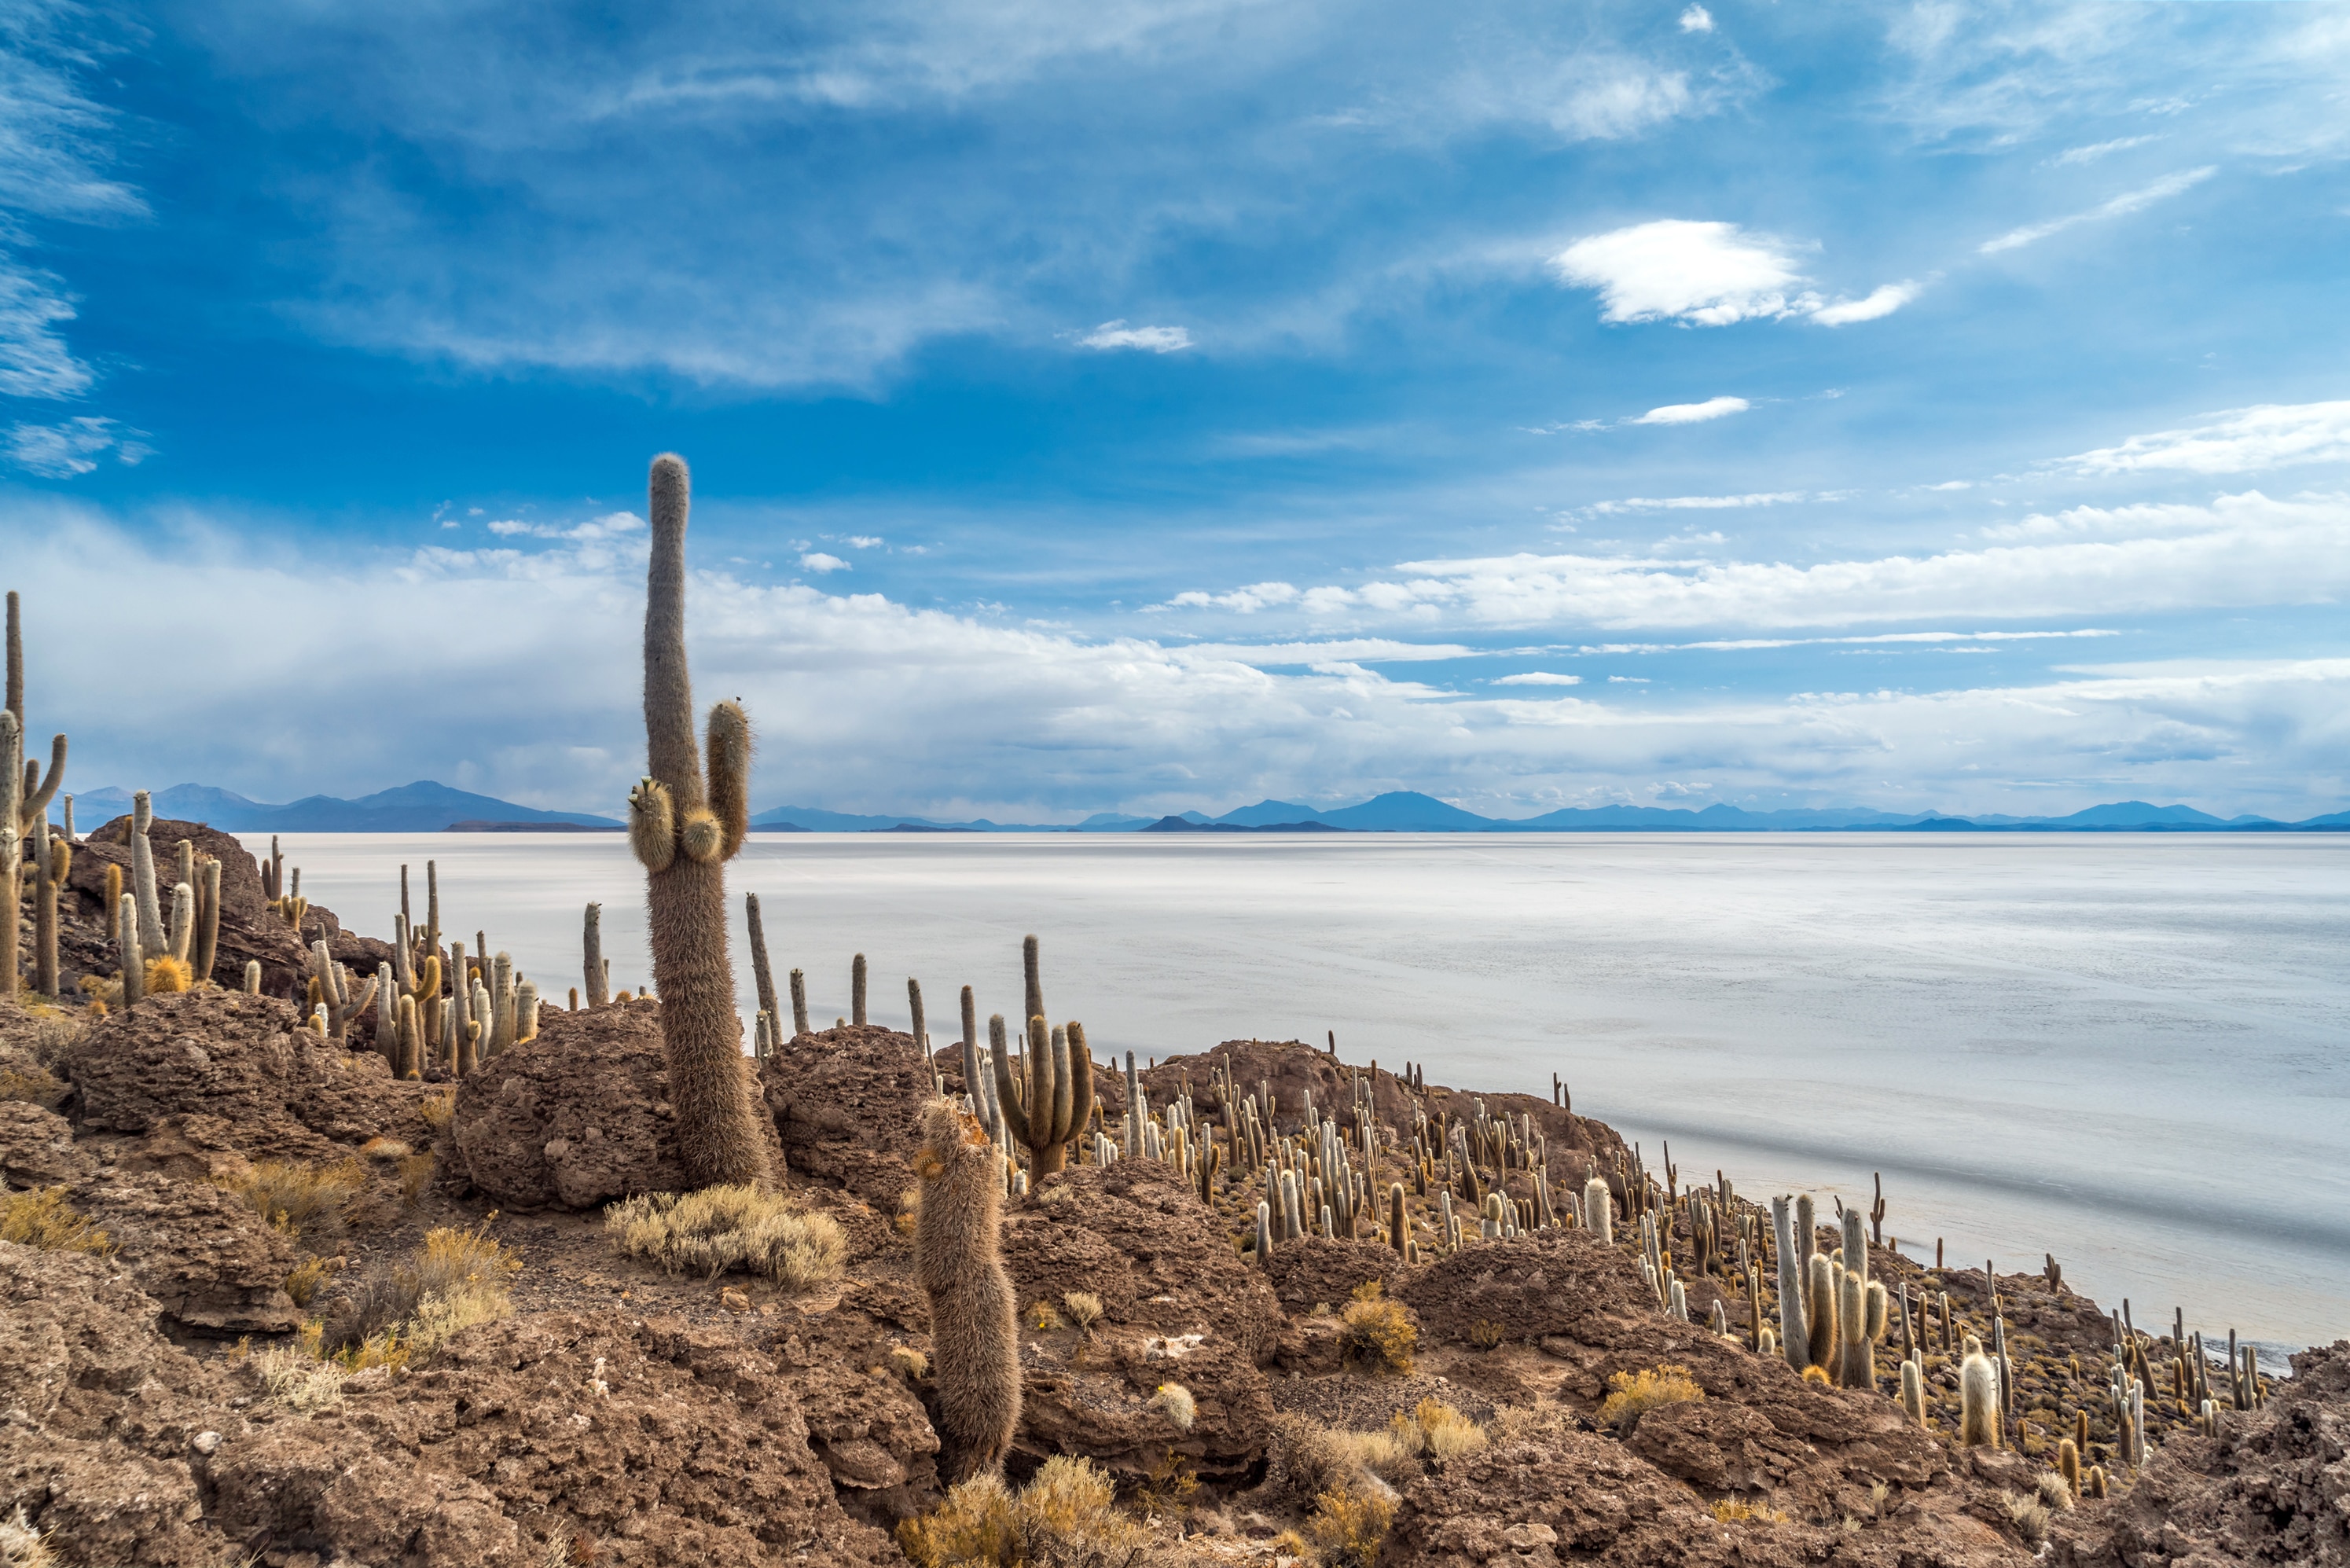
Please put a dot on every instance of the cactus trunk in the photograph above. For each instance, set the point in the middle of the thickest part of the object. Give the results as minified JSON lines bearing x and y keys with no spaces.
{"x":762,"y":977}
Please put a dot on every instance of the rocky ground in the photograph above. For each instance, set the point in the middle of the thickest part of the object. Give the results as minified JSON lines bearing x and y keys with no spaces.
{"x":621,"y":1415}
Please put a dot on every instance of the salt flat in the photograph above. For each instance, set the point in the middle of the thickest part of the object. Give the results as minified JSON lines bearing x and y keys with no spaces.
{"x":2132,"y":1050}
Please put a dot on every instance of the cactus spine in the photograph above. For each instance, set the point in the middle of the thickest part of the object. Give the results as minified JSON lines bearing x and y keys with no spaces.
{"x":1978,"y":1402}
{"x":1794,"y":1335}
{"x":679,"y":833}
{"x":976,"y":1361}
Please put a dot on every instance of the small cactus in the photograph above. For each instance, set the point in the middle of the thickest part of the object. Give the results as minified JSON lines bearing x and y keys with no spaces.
{"x":2068,"y":1464}
{"x":1913,"y":1391}
{"x":593,"y":969}
{"x":1049,"y":1110}
{"x":763,"y":978}
{"x":1978,"y":1401}
{"x":959,"y":1265}
{"x":856,"y":991}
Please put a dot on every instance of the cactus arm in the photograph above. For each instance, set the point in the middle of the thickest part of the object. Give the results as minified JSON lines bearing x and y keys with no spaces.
{"x":1081,"y":1079}
{"x":652,"y":825}
{"x":1058,"y":1128}
{"x":730,"y":776}
{"x":670,"y":753}
{"x":183,"y":920}
{"x":45,"y":790}
{"x":1034,"y":987}
{"x":1007,"y":1101}
{"x":970,"y":1083}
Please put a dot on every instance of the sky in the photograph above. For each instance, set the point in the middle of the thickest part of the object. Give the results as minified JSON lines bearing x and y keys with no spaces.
{"x":1138,"y":405}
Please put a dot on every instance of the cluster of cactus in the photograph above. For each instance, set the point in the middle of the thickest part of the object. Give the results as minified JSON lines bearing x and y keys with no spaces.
{"x":683,"y":826}
{"x":491,"y":1006}
{"x":25,"y":796}
{"x":1045,"y":1106}
{"x":157,"y":956}
{"x":283,"y":888}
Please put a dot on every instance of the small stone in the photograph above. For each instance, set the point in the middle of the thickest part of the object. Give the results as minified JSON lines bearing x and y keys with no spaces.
{"x":207,"y":1443}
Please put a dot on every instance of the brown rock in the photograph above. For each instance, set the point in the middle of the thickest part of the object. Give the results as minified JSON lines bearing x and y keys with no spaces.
{"x":848,"y":1103}
{"x":98,"y":1417}
{"x":1316,"y":1270}
{"x":280,"y":1092}
{"x":36,"y":1149}
{"x":864,"y":1422}
{"x":1136,"y":1235}
{"x":210,"y":1264}
{"x":576,"y":1117}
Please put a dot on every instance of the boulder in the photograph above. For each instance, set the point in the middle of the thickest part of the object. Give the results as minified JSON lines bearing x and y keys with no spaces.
{"x":274,"y":1089}
{"x":36,"y":1149}
{"x":100,"y":1416}
{"x":1309,"y":1272}
{"x":1179,"y":1306}
{"x":864,"y":1422}
{"x":550,"y":1437}
{"x":848,"y":1104}
{"x":579,"y":1116}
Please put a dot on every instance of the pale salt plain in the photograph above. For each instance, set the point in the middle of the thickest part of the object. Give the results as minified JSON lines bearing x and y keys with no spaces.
{"x":2131,"y":1051}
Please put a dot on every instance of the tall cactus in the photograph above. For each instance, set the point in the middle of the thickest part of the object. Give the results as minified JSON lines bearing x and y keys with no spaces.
{"x":594,"y":970}
{"x":1052,"y":1103}
{"x":334,"y":982}
{"x":25,"y":796}
{"x":53,"y":858}
{"x":762,"y":976}
{"x":958,"y":1262}
{"x":1794,"y":1334}
{"x":685,"y":831}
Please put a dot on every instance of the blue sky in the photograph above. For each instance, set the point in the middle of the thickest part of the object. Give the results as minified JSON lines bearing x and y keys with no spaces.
{"x":1142,"y":406}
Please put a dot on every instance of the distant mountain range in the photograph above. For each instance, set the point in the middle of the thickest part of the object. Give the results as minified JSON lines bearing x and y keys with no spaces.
{"x":428,"y":808}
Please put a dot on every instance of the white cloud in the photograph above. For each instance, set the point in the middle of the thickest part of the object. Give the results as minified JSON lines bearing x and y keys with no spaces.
{"x":1539,"y":678}
{"x":2237,"y":441}
{"x":34,"y":359}
{"x":2095,"y":150}
{"x":1694,"y":413}
{"x":1154,"y":339}
{"x":1696,"y":502}
{"x":1247,"y":600}
{"x":1709,"y":275}
{"x":1697,"y":19}
{"x":819,"y":562}
{"x":1883,"y":301}
{"x":611,"y":525}
{"x":2240,"y":551}
{"x":893,"y":708}
{"x":1627,"y":681}
{"x":73,"y":447}
{"x":2129,"y":202}
{"x":861,"y":541}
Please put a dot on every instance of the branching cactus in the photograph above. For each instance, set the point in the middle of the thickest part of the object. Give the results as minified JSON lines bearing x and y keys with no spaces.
{"x":25,"y":796}
{"x":1050,"y":1105}
{"x":958,"y":1261}
{"x":334,"y":984}
{"x":684,"y":830}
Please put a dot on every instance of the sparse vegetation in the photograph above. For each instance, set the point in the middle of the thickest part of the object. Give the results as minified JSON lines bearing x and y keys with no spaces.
{"x":1378,"y":1332}
{"x":1437,"y":1431}
{"x":435,"y":1112}
{"x":35,"y":1085}
{"x":43,"y":1219}
{"x":1636,"y":1393}
{"x":911,"y":1364}
{"x":415,"y":1172}
{"x":1731,"y":1511}
{"x":722,"y":1227}
{"x":452,"y":1280}
{"x":1085,"y":1310}
{"x":302,"y":1201}
{"x":1166,"y":1488}
{"x":1043,"y":1318}
{"x":1065,"y":1515}
{"x":1486,"y":1334}
{"x":2028,"y":1514}
{"x":303,"y":1283}
{"x":1350,"y":1525}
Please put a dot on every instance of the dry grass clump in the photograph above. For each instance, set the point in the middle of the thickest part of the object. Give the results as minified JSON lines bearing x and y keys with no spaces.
{"x":297,"y":1375}
{"x":2028,"y":1514}
{"x":1636,"y":1393}
{"x":415,"y":1171}
{"x":436,"y":1111}
{"x":43,"y":1219}
{"x":1437,"y":1431}
{"x":21,"y":1545}
{"x":452,"y":1280}
{"x":722,"y":1227}
{"x":302,"y":1200}
{"x":1730,"y":1511}
{"x":1085,"y":1309}
{"x":1044,"y":1319}
{"x":1349,"y":1525}
{"x":1306,"y":1459}
{"x":307,"y":1276}
{"x":1067,"y":1517}
{"x":2054,"y":1492}
{"x":35,"y":1085}
{"x":1487,"y":1334}
{"x":1378,"y":1332}
{"x":911,"y":1364}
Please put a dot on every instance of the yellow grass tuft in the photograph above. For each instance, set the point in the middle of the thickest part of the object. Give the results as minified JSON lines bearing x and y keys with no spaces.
{"x":1636,"y":1393}
{"x":1730,"y":1511}
{"x":436,"y":1111}
{"x":301,"y":1199}
{"x":722,"y":1227}
{"x":1350,"y":1525}
{"x":1067,"y":1513}
{"x":1085,"y":1309}
{"x":1438,"y":1430}
{"x":37,"y":1085}
{"x":43,"y":1219}
{"x":1043,"y":1318}
{"x":1378,"y":1332}
{"x":304,"y":1282}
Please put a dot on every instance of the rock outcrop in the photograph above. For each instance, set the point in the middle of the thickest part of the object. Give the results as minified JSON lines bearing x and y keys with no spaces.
{"x":848,"y":1104}
{"x":576,"y":1117}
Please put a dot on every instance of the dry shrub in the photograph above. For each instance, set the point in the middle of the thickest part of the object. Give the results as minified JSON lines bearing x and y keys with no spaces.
{"x":1730,"y":1511}
{"x":54,"y":1030}
{"x":722,"y":1227}
{"x":911,"y":1364}
{"x":415,"y":1172}
{"x":1085,"y":1309}
{"x":2054,"y":1492}
{"x":1306,"y":1459}
{"x":1166,"y":1488}
{"x":436,"y":1111}
{"x":1439,"y":1431}
{"x":43,"y":1219}
{"x":301,"y":1199}
{"x":1522,"y":1423}
{"x":1378,"y":1332}
{"x":452,"y":1280}
{"x":1064,"y":1517}
{"x":35,"y":1085}
{"x":1043,"y":1318}
{"x":2028,"y":1514}
{"x":21,"y":1545}
{"x":1636,"y":1393}
{"x":1487,"y":1334}
{"x":294,"y":1377}
{"x":307,"y":1276}
{"x":1350,"y":1525}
